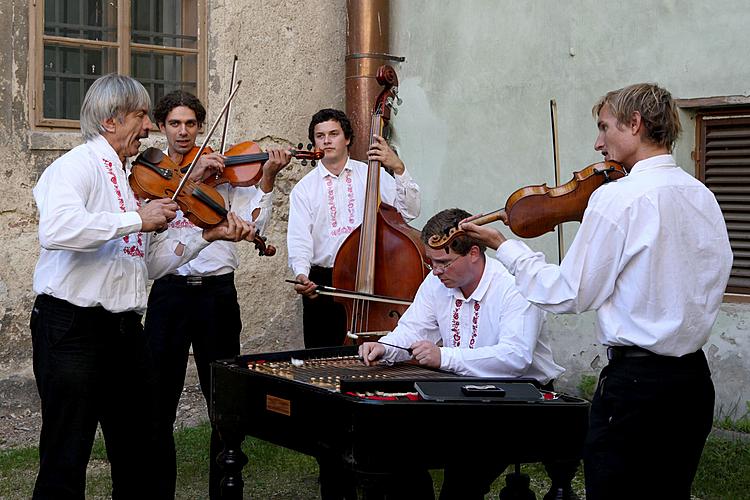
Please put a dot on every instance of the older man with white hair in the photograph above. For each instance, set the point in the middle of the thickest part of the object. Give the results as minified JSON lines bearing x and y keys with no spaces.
{"x":98,"y":249}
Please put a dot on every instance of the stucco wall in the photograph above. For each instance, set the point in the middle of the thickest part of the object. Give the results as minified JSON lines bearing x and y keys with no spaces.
{"x":475,"y":124}
{"x":291,"y":63}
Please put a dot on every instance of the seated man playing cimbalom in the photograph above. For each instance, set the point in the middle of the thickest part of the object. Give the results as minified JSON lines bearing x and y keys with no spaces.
{"x":487,"y":329}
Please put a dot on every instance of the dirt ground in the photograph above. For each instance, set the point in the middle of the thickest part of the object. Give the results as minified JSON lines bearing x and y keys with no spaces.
{"x":21,"y":420}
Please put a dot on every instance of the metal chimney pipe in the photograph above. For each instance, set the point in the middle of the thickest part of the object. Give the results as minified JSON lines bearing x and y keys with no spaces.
{"x":366,"y":50}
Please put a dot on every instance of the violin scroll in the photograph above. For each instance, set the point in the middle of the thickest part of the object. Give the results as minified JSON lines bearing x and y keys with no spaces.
{"x":263,"y":249}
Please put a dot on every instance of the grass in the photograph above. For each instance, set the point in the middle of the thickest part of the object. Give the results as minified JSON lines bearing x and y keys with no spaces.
{"x":278,"y":473}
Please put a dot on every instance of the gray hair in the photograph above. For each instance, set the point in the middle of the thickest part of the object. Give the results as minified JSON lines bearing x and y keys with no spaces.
{"x":111,"y":96}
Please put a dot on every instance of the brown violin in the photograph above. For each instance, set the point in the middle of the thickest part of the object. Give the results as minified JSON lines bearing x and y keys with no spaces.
{"x":243,"y":165}
{"x":534,"y":210}
{"x":154,"y":175}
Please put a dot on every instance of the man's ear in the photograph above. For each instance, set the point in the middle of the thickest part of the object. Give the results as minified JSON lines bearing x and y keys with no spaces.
{"x":162,"y":128}
{"x":110,"y":125}
{"x":475,"y":252}
{"x":636,"y":123}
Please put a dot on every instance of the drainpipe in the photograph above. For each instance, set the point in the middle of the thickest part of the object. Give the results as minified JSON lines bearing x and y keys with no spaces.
{"x":367,"y":33}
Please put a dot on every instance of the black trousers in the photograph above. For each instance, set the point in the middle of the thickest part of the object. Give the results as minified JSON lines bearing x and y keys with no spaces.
{"x":323,"y":320}
{"x":649,"y":420}
{"x":183,"y":311}
{"x":91,"y":367}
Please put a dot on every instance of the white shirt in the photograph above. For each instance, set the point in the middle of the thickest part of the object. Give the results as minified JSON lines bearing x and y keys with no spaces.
{"x":93,"y":252}
{"x":652,"y":257}
{"x":324,"y":209}
{"x":220,"y":257}
{"x":495,"y":332}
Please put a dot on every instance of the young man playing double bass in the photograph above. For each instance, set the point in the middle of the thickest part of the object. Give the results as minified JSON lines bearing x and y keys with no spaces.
{"x":197,"y":303}
{"x":652,"y":258}
{"x":325,"y":206}
{"x":99,"y":246}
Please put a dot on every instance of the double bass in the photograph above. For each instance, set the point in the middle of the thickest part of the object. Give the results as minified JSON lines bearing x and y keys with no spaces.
{"x":383,"y":257}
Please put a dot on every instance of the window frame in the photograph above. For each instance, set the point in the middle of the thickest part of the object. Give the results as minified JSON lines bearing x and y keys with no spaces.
{"x":123,"y":45}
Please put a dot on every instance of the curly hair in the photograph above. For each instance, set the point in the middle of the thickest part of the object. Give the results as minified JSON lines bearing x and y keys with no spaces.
{"x":655,"y":105}
{"x":179,"y":98}
{"x":442,"y":222}
{"x":328,"y":114}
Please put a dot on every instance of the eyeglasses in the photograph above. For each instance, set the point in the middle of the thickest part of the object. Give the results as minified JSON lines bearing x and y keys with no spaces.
{"x":441,"y":268}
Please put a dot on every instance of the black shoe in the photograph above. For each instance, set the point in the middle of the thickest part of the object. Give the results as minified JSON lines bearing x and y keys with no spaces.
{"x":561,"y":494}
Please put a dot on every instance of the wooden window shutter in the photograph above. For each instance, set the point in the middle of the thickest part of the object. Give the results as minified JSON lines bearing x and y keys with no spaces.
{"x":724,"y":166}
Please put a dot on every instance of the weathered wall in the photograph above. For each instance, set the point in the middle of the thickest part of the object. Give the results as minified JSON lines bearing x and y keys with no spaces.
{"x":475,"y":124}
{"x":291,"y":63}
{"x":476,"y":86}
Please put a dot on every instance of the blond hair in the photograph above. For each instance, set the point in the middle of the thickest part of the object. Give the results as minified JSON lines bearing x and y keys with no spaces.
{"x":655,"y":105}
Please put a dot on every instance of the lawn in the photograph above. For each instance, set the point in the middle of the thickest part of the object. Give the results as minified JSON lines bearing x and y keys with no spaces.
{"x":278,"y":473}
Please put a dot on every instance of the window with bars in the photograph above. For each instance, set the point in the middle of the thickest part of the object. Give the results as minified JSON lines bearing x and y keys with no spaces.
{"x":158,"y":42}
{"x":723,"y":139}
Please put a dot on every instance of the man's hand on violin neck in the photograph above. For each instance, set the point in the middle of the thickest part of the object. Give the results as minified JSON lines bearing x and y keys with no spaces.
{"x":233,"y":228}
{"x":156,"y":214}
{"x":207,"y":165}
{"x":277,"y":160}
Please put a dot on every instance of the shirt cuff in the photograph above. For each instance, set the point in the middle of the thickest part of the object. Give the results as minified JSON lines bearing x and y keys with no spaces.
{"x":298,"y":269}
{"x":194,"y":243}
{"x":266,"y":201}
{"x":510,"y":251}
{"x":130,"y":222}
{"x":404,"y":178}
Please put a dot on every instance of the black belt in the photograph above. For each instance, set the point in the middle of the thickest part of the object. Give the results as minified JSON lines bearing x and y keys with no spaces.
{"x":198,"y":280}
{"x":622,"y":352}
{"x":91,"y":311}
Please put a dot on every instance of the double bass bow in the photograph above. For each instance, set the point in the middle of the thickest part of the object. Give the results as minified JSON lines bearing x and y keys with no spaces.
{"x":384,"y":256}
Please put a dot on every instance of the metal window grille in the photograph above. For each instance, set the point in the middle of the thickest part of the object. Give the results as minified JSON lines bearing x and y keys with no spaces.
{"x":80,"y":45}
{"x":724,"y":166}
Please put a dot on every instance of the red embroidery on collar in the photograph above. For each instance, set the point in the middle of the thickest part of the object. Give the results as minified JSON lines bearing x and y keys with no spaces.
{"x":456,"y":324}
{"x":332,"y":209}
{"x":135,"y":250}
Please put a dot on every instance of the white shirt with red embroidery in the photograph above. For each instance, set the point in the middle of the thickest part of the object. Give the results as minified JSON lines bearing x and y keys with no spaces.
{"x":324,"y":209}
{"x":220,"y":257}
{"x":495,"y":332}
{"x":92,"y":250}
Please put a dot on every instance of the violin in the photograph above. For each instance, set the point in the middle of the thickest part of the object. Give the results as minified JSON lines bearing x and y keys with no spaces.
{"x":534,"y":210}
{"x":243,"y":165}
{"x":154,"y":175}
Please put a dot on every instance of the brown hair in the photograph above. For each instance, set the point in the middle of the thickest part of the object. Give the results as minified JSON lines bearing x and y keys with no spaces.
{"x":441,"y":223}
{"x":655,"y":105}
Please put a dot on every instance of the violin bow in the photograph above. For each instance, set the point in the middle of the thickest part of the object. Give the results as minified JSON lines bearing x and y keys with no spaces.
{"x":205,"y":141}
{"x":556,"y":159}
{"x":222,"y":148}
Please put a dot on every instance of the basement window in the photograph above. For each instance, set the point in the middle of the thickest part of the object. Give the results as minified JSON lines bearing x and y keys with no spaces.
{"x":723,"y":164}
